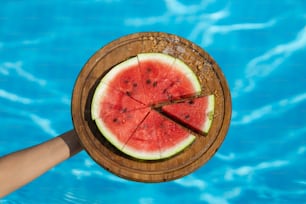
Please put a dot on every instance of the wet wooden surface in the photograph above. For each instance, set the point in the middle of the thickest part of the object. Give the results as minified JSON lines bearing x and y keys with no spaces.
{"x":212,"y":81}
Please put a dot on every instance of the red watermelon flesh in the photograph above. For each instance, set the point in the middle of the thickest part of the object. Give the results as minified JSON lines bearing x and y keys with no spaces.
{"x":170,"y":145}
{"x":118,"y":111}
{"x":163,"y":80}
{"x":116,"y":99}
{"x":144,"y":143}
{"x":184,"y":84}
{"x":128,"y":80}
{"x":123,"y":124}
{"x":195,"y":113}
{"x":153,"y":138}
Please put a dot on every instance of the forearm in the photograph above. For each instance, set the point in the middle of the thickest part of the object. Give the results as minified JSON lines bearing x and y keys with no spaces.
{"x":21,"y":167}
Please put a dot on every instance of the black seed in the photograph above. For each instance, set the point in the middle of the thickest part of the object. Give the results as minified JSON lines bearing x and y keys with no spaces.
{"x":134,"y":84}
{"x":154,"y":83}
{"x":191,"y":102}
{"x":187,"y":116}
{"x":124,"y":110}
{"x":148,"y":81}
{"x":115,"y":120}
{"x":128,"y":93}
{"x":149,"y":69}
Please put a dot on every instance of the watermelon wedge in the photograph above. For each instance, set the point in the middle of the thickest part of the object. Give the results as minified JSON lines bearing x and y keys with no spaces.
{"x":195,"y":113}
{"x":149,"y":106}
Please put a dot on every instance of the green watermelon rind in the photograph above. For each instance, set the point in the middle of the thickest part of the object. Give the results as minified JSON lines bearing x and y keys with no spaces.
{"x":104,"y":83}
{"x":99,"y":92}
{"x":95,"y":104}
{"x":157,"y":155}
{"x":141,"y":154}
{"x":107,"y":133}
{"x":119,"y":68}
{"x":156,"y":56}
{"x":95,"y":107}
{"x":209,"y":113}
{"x":178,"y":148}
{"x":185,"y":70}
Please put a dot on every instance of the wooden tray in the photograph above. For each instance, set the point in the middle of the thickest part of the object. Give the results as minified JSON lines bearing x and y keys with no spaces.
{"x":211,"y":79}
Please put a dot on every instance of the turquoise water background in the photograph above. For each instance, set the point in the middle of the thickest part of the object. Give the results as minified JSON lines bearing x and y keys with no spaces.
{"x":260,"y":46}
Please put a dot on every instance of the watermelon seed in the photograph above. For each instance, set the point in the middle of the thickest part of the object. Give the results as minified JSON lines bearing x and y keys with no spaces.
{"x":148,"y":81}
{"x":128,"y":93}
{"x":134,"y":84}
{"x":187,"y":116}
{"x":124,"y":110}
{"x":191,"y":102}
{"x":149,"y":69}
{"x":115,"y":120}
{"x":154,"y":83}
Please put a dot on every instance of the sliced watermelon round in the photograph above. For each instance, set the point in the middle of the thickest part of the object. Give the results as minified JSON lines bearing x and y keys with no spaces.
{"x":129,"y":108}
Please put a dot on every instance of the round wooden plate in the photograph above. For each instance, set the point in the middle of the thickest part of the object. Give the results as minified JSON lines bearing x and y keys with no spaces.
{"x":211,"y":79}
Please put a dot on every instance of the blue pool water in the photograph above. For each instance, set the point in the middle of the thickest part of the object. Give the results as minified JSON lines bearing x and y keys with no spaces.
{"x":260,"y":45}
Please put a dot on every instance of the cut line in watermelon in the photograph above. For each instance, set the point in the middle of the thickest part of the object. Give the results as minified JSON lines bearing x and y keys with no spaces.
{"x":159,"y":144}
{"x":128,"y":79}
{"x":115,"y":99}
{"x":135,"y":106}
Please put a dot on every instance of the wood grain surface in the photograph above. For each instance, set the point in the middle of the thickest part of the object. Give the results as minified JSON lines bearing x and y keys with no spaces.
{"x":212,"y":81}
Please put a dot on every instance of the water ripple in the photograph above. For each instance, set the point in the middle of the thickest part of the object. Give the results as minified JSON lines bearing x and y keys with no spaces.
{"x":210,"y":31}
{"x":248,"y":171}
{"x":179,"y":12}
{"x":14,"y":97}
{"x":191,"y":181}
{"x":270,"y":110}
{"x":16,"y":67}
{"x":263,"y":65}
{"x":71,"y":197}
{"x":221,"y":199}
{"x":44,"y":124}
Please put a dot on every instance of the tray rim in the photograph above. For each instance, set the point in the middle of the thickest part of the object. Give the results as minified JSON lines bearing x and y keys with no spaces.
{"x":131,"y":173}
